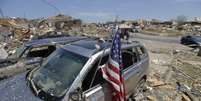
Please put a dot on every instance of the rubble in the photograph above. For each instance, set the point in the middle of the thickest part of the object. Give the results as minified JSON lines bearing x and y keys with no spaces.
{"x":158,"y":62}
{"x":16,"y":31}
{"x":3,"y":53}
{"x":171,"y":63}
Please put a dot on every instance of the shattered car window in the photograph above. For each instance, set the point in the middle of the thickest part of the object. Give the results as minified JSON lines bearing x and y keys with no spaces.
{"x":58,"y":72}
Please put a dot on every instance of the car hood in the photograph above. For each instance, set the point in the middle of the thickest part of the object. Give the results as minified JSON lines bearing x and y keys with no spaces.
{"x":16,"y":89}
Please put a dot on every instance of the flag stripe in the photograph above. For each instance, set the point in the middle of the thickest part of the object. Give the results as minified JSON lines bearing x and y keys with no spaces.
{"x":115,"y":69}
{"x":113,"y":74}
{"x":111,"y":78}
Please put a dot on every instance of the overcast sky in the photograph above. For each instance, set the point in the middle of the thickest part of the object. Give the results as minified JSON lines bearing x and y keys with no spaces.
{"x":102,"y":10}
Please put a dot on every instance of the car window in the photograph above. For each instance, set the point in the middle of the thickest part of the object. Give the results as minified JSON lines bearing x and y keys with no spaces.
{"x":135,"y":55}
{"x":42,"y":51}
{"x":141,"y":51}
{"x":94,"y":73}
{"x":127,"y":58}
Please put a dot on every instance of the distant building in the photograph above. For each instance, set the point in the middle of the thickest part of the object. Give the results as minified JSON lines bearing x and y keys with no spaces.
{"x":198,"y":19}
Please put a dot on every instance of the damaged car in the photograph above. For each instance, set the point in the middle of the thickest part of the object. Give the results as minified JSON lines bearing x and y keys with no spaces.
{"x":72,"y":73}
{"x":32,"y":53}
{"x":191,"y":41}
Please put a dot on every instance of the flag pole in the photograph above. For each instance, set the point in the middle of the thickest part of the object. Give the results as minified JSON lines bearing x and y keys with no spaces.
{"x":113,"y":36}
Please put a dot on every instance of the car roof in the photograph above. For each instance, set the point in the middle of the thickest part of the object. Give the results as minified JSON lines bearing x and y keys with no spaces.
{"x":88,"y":47}
{"x":48,"y":41}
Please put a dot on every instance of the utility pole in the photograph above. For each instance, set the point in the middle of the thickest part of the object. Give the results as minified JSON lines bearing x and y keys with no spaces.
{"x":116,"y":19}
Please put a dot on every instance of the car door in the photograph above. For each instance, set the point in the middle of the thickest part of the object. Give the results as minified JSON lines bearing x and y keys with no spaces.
{"x":131,"y":69}
{"x":94,"y":86}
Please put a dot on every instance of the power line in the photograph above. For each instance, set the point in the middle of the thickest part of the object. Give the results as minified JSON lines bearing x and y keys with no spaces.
{"x":51,"y":5}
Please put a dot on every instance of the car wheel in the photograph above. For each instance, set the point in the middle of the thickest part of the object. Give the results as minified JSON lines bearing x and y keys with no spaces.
{"x":139,"y":92}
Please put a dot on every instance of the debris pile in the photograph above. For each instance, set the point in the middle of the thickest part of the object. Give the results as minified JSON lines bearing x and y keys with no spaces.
{"x":15,"y":31}
{"x":176,"y":80}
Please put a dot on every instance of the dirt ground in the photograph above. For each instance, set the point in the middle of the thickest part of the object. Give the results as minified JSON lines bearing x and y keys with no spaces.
{"x":175,"y":73}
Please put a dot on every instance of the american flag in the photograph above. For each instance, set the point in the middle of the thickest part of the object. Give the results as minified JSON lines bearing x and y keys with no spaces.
{"x":112,"y":71}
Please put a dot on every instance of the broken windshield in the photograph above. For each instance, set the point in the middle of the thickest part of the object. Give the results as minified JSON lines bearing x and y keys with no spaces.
{"x":58,"y":72}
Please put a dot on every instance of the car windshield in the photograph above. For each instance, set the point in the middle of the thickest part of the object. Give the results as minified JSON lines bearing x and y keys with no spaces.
{"x":58,"y":72}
